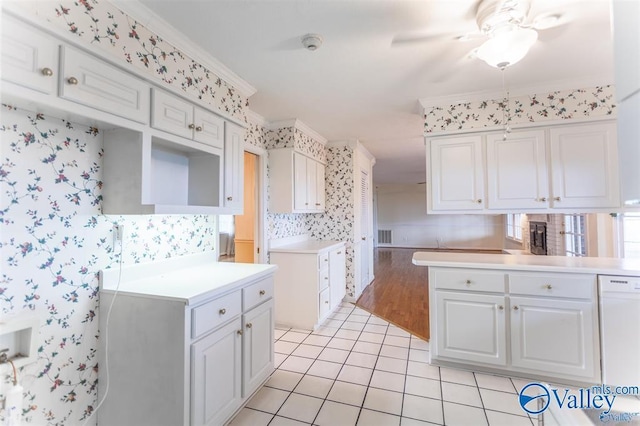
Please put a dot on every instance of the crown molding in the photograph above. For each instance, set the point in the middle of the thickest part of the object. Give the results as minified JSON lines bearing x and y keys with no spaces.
{"x":166,"y":31}
{"x":351,"y":143}
{"x":256,"y":118}
{"x":295,"y":123}
{"x":479,"y":96}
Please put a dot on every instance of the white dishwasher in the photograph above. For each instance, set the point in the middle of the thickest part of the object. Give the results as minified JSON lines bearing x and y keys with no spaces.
{"x":620,"y":329}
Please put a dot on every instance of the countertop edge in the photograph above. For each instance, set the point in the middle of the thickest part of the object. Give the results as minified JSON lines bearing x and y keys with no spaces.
{"x":299,"y":247}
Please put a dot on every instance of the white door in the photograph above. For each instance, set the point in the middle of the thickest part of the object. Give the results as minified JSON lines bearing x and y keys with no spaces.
{"x":233,"y":168}
{"x":517,"y":171}
{"x":320,"y":187}
{"x":471,"y":327}
{"x":258,"y":346}
{"x":457,"y":181}
{"x":216,"y":375}
{"x":366,"y":247}
{"x":584,"y":164}
{"x":553,"y":336}
{"x":208,"y":128}
{"x":311,"y":203}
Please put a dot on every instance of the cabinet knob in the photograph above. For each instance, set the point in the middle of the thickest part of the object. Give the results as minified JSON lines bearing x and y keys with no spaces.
{"x":222,"y":311}
{"x":198,"y":128}
{"x":542,"y":199}
{"x":262,"y":292}
{"x":249,"y":325}
{"x":326,"y":278}
{"x":191,"y":126}
{"x":48,"y":72}
{"x":515,"y":308}
{"x":500,"y":307}
{"x":72,"y":80}
{"x":479,"y":201}
{"x":364,"y":238}
{"x":239,"y":332}
{"x":468,"y":282}
{"x":326,"y":301}
{"x":556,"y":198}
{"x":229,"y":198}
{"x":340,"y":252}
{"x":317,"y":204}
{"x":548,"y":286}
{"x":306,"y":204}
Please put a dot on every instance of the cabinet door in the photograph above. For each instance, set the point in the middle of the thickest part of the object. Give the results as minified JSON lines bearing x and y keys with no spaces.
{"x":171,"y":114}
{"x":554,"y":336}
{"x":94,"y":83}
{"x":312,"y":204}
{"x":471,"y":327}
{"x":209,"y":128}
{"x":324,"y":304}
{"x":216,"y":375}
{"x":300,"y":202}
{"x":584,"y":166}
{"x":29,"y":57}
{"x":258,"y":347}
{"x":517,"y":171}
{"x":337,"y":276}
{"x":457,"y":176}
{"x":234,"y":168}
{"x":320,"y":187}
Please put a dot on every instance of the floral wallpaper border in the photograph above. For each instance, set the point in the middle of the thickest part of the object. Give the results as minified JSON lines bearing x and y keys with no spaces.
{"x":592,"y":102}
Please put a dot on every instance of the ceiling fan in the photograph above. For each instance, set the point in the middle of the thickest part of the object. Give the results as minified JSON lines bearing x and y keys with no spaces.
{"x":505,"y":26}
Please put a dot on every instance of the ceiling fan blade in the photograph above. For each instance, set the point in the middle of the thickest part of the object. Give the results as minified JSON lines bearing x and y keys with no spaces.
{"x":417,"y":37}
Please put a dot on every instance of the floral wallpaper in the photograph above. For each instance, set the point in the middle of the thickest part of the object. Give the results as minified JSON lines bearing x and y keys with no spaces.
{"x":100,"y":25}
{"x":53,"y":242}
{"x":291,"y":137}
{"x":336,"y":223}
{"x":560,"y":105}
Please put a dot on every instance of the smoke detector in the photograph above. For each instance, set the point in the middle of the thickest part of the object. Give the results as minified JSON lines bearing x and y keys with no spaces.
{"x":312,"y":41}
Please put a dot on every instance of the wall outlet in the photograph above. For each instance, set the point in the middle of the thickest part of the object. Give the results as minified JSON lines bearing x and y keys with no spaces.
{"x":118,"y":232}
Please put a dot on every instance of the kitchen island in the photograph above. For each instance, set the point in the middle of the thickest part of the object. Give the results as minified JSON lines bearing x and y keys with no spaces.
{"x":528,"y":316}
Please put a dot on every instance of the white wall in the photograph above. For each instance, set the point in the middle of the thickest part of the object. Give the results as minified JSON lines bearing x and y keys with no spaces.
{"x":402,"y":209}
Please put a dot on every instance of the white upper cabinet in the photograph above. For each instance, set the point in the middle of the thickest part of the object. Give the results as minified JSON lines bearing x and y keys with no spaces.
{"x":179,"y":117}
{"x":29,"y":57}
{"x":456,"y":173}
{"x":584,"y":166}
{"x":297,"y":182}
{"x":234,"y":168}
{"x":92,"y":82}
{"x":517,"y":175}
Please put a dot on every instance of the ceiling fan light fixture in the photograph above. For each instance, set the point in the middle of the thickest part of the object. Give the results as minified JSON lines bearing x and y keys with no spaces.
{"x":507,"y":46}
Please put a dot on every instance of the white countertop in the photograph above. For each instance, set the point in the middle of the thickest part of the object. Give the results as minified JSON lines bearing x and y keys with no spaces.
{"x":309,"y":246}
{"x":189,"y":279}
{"x":590,"y":265}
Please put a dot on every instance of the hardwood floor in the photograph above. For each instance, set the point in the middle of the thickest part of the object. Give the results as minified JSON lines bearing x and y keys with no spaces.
{"x":400,"y":291}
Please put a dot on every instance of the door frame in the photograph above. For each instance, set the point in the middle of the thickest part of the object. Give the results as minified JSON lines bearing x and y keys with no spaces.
{"x":261,"y":205}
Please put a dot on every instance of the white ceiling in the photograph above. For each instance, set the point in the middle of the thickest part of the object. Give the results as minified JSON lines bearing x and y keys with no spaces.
{"x":361,"y":84}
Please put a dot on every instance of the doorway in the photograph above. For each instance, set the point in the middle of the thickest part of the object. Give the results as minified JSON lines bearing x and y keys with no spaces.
{"x":246,"y":224}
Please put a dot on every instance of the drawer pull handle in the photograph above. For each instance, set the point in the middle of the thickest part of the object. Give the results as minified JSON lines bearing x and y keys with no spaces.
{"x":548,"y":286}
{"x":222,"y":311}
{"x":229,"y":198}
{"x":191,"y":126}
{"x":249,"y":325}
{"x":72,"y":80}
{"x":556,"y":198}
{"x":317,"y":204}
{"x":515,"y":308}
{"x":468,"y":282}
{"x":262,"y":292}
{"x":198,"y":128}
{"x":500,"y":307}
{"x":239,"y":332}
{"x":48,"y":72}
{"x":542,"y":199}
{"x":479,"y":201}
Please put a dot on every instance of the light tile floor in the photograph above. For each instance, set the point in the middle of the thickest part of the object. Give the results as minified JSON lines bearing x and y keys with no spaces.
{"x":360,"y":370}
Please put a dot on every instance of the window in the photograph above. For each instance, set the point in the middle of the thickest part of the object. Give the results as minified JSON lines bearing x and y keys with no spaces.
{"x":630,"y":235}
{"x":575,"y":240}
{"x":514,"y":226}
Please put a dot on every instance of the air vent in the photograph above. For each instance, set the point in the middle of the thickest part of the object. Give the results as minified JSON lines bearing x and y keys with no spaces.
{"x":384,"y":236}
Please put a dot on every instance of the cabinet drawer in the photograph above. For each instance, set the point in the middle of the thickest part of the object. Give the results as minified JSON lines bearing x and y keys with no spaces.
{"x":468,"y":279}
{"x":323,"y":261}
{"x":94,"y":83}
{"x":553,"y":285}
{"x":324,"y":303}
{"x":324,"y":279}
{"x":257,"y":293}
{"x":214,"y":313}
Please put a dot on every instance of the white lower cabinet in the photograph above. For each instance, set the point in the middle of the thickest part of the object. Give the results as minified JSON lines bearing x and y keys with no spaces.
{"x":536,"y":324}
{"x":308,"y":285}
{"x":171,"y":363}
